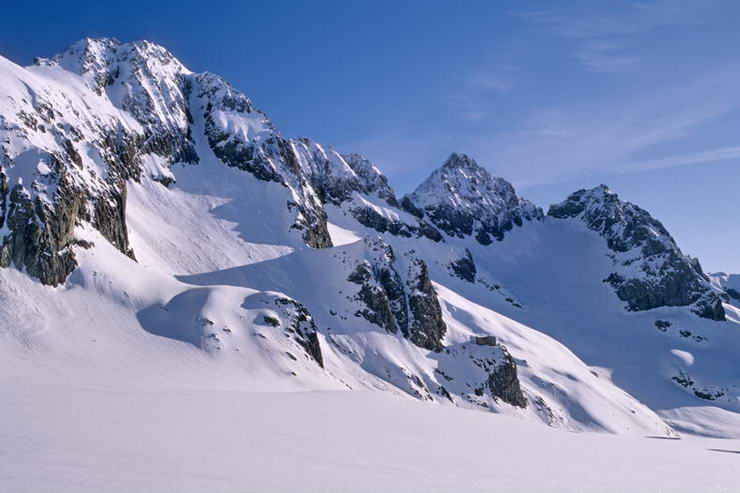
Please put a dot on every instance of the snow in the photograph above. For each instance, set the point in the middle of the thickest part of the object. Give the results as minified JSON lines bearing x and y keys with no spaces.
{"x":81,"y":437}
{"x":341,"y":236}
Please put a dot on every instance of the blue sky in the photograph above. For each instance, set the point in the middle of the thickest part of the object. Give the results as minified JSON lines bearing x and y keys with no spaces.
{"x":554,"y":96}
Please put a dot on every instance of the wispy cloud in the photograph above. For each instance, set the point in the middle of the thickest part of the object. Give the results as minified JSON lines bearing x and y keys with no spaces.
{"x":471,"y":95}
{"x":601,"y":136}
{"x":605,"y":57}
{"x":602,"y":40}
{"x":714,"y":155}
{"x":537,"y":124}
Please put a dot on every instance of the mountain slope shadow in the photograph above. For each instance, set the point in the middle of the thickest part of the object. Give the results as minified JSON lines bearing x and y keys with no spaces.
{"x":178,"y":319}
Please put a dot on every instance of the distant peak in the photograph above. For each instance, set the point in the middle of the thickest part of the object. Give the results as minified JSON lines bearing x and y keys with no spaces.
{"x":462,"y":198}
{"x":461,"y":161}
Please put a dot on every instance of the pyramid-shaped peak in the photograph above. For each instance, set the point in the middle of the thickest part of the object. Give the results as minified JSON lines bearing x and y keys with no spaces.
{"x":462,"y":161}
{"x":462,"y":198}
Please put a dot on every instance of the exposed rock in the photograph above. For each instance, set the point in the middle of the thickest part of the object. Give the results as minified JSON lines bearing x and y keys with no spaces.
{"x":708,"y":393}
{"x":41,"y":219}
{"x":462,"y":199}
{"x":733,"y":293}
{"x":336,"y":177}
{"x":302,"y":327}
{"x":484,"y":367}
{"x":393,"y":301}
{"x":266,"y":155}
{"x":652,"y":271}
{"x":84,"y":159}
{"x":662,"y":325}
{"x":380,"y":291}
{"x":464,"y":268}
{"x":427,"y":327}
{"x":370,"y":218}
{"x":503,"y":382}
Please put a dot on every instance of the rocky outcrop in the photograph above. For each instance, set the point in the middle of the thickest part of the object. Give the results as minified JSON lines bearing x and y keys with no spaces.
{"x":143,"y":79}
{"x":464,"y":268}
{"x":480,"y":371}
{"x":503,"y":381}
{"x":381,"y":291}
{"x":299,"y":324}
{"x":39,"y":218}
{"x":340,"y":179}
{"x":370,"y":218}
{"x":336,"y":177}
{"x":462,"y":199}
{"x":427,"y":326}
{"x":397,"y":297}
{"x":650,"y":270}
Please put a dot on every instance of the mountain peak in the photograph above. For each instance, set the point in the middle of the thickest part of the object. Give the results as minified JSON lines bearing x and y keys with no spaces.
{"x":462,"y":198}
{"x":101,"y":60}
{"x":462,"y":161}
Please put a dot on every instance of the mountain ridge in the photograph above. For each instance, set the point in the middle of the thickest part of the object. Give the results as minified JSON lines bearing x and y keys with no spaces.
{"x":130,"y":180}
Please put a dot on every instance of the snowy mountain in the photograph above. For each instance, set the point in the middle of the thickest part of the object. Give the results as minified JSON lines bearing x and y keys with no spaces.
{"x":157,"y":227}
{"x":650,"y":270}
{"x":463,"y":199}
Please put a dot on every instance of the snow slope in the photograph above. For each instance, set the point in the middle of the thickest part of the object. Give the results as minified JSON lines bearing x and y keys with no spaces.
{"x":149,"y":438}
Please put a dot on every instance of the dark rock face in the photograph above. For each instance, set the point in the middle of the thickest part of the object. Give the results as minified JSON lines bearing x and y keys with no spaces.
{"x":665,"y":276}
{"x":370,"y":218}
{"x":481,"y":367}
{"x":427,"y":328}
{"x":733,"y":293}
{"x":462,"y":199}
{"x":300,"y":324}
{"x":149,"y":85}
{"x":394,"y":302}
{"x":336,"y":177}
{"x":503,"y":382}
{"x":708,"y":393}
{"x":41,"y":228}
{"x":383,"y":297}
{"x":464,"y":268}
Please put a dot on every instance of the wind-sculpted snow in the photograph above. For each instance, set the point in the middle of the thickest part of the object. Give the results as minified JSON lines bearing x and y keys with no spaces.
{"x":651,"y":270}
{"x":174,"y":219}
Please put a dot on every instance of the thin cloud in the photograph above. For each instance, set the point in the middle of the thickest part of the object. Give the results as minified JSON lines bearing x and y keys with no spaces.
{"x":472,"y":95}
{"x":565,"y":142}
{"x":714,"y":155}
{"x":602,"y":41}
{"x":605,"y":57}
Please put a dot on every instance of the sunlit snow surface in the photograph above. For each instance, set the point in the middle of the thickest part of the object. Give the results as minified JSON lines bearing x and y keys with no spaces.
{"x":77,"y":437}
